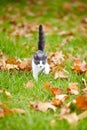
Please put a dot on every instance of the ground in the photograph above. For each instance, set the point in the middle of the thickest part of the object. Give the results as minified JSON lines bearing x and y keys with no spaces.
{"x":65,"y":26}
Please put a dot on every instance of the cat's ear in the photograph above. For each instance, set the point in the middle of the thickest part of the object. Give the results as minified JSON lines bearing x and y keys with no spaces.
{"x":45,"y":56}
{"x":35,"y":56}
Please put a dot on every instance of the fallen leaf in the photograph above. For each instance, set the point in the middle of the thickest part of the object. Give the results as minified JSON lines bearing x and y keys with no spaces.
{"x":43,"y":107}
{"x":2,"y":114}
{"x":65,"y":109}
{"x":79,"y":67}
{"x":65,"y":33}
{"x":29,"y":84}
{"x":12,"y":61}
{"x":84,"y":90}
{"x":57,"y":102}
{"x":47,"y":85}
{"x":62,"y":97}
{"x":18,"y":110}
{"x":84,"y":20}
{"x":55,"y":59}
{"x":81,"y":102}
{"x":25,"y":65}
{"x":54,"y":91}
{"x":59,"y":99}
{"x":72,"y":118}
{"x":10,"y":67}
{"x":63,"y":74}
{"x":8,"y":94}
{"x":73,"y":88}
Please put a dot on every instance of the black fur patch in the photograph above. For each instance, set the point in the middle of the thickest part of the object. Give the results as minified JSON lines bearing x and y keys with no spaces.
{"x":40,"y":56}
{"x":41,"y":39}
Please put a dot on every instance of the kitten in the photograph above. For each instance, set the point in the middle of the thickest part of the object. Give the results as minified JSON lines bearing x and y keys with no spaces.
{"x":39,"y":61}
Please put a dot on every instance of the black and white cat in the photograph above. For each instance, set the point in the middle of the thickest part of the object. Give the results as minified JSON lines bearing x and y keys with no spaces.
{"x":39,"y":61}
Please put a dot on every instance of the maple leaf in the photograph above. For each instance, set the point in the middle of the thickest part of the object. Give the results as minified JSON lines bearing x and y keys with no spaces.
{"x":10,"y":67}
{"x":12,"y":61}
{"x":54,"y":91}
{"x":55,"y":59}
{"x":73,"y":88}
{"x":25,"y":65}
{"x":65,"y":109}
{"x":56,"y":102}
{"x":72,"y":118}
{"x":81,"y":102}
{"x":80,"y":67}
{"x":63,"y":74}
{"x":29,"y":84}
{"x":59,"y":99}
{"x":43,"y":107}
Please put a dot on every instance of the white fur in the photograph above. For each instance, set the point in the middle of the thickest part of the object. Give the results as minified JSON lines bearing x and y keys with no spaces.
{"x":38,"y":68}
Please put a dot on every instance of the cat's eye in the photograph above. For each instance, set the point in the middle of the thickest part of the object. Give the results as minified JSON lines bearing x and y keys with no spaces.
{"x":43,"y":62}
{"x":37,"y":62}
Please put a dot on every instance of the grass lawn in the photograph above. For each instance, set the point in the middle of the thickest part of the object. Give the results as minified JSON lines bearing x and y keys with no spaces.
{"x":57,"y":17}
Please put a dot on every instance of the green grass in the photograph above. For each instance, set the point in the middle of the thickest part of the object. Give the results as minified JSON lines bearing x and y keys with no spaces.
{"x":23,"y":47}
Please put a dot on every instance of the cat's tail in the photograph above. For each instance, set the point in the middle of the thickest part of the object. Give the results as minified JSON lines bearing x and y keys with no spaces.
{"x":41,"y":39}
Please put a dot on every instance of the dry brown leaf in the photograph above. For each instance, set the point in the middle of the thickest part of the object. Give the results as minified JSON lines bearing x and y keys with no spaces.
{"x":57,"y":102}
{"x":59,"y":99}
{"x":18,"y":110}
{"x":62,"y":97}
{"x":13,"y":61}
{"x":65,"y":33}
{"x":81,"y":102}
{"x":63,"y":74}
{"x":8,"y":94}
{"x":65,"y":109}
{"x":25,"y":65}
{"x":72,"y":118}
{"x":47,"y":85}
{"x":80,"y":67}
{"x":43,"y":107}
{"x":84,"y":90}
{"x":73,"y":88}
{"x":55,"y":59}
{"x":29,"y":84}
{"x":54,"y":91}
{"x":10,"y":67}
{"x":2,"y":114}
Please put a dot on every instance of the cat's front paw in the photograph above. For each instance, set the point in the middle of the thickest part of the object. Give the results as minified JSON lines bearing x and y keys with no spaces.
{"x":35,"y":77}
{"x":47,"y":69}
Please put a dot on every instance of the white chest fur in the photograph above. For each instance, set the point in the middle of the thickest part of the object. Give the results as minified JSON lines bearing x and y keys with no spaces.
{"x":36,"y":69}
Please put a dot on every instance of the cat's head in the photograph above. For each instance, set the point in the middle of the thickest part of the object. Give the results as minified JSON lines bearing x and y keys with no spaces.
{"x":40,"y":59}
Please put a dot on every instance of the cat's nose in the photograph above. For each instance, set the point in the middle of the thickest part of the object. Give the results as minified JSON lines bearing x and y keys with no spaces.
{"x":40,"y":66}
